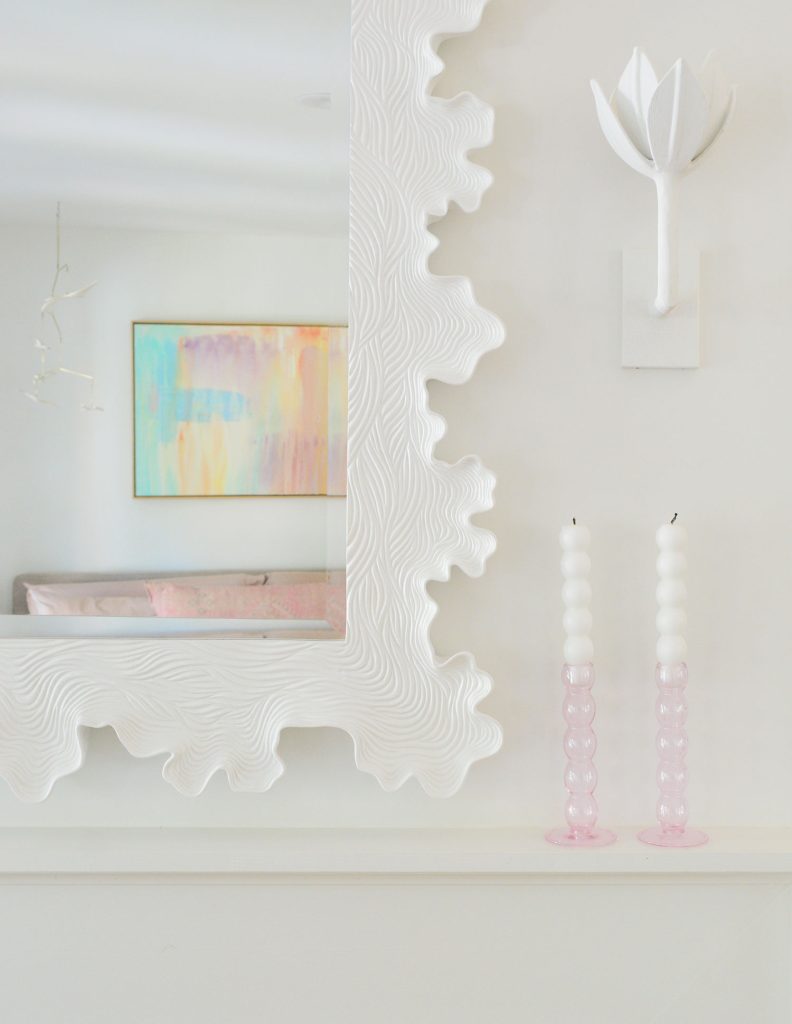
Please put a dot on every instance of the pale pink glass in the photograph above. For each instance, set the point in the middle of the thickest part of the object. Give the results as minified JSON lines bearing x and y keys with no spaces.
{"x":580,"y":776}
{"x":672,"y":778}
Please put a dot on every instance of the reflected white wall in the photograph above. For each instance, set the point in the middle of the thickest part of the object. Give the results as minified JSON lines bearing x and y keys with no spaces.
{"x":67,"y":475}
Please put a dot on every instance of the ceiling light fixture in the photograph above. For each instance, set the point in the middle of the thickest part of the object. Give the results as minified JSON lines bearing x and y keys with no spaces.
{"x":316,"y":100}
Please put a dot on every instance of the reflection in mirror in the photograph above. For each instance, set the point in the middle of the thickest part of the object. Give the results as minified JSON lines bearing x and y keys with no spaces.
{"x":173,"y":295}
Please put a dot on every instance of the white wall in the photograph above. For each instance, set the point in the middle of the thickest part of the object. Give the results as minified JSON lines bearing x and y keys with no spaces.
{"x":68,"y":474}
{"x":569,"y":432}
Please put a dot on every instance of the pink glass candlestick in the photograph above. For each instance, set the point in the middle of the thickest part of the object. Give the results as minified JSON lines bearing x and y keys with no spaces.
{"x":580,"y":776}
{"x":672,"y":742}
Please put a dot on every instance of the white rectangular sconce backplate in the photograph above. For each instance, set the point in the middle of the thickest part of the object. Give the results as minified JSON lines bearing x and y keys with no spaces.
{"x":661,"y":342}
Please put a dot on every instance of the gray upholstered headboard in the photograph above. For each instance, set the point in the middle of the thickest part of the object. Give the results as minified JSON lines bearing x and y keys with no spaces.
{"x":19,"y":597}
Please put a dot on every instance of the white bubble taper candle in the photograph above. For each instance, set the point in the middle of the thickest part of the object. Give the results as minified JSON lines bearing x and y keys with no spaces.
{"x":580,"y":743}
{"x":576,"y":594}
{"x":671,"y":705}
{"x":671,"y":593}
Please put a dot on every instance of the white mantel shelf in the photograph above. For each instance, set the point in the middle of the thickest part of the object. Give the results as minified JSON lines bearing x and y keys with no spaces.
{"x":482,"y":853}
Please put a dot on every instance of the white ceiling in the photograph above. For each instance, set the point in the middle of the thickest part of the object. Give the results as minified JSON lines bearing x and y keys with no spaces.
{"x":178,"y":114}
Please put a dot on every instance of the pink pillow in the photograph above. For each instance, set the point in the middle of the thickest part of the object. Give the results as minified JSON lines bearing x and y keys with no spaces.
{"x":43,"y":600}
{"x":87,"y":588}
{"x":245,"y":579}
{"x":273,"y":601}
{"x":116,"y":597}
{"x":334,"y":576}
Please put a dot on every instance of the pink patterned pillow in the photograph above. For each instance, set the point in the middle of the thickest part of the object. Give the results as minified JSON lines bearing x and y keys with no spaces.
{"x":271,"y":601}
{"x":118,"y":597}
{"x":43,"y":600}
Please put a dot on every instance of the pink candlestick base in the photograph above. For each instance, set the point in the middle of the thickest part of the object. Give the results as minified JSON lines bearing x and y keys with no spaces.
{"x":580,"y":775}
{"x":672,"y":744}
{"x":658,"y":836}
{"x":565,"y":836}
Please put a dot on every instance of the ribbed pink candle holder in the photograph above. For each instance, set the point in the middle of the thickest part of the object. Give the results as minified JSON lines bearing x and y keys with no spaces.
{"x":672,"y":742}
{"x":580,"y":776}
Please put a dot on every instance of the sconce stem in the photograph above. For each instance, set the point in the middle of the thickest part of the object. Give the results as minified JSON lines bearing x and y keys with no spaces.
{"x":667,"y":244}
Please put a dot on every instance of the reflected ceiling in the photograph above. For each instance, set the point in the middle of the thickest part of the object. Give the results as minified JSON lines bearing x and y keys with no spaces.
{"x":221,"y":115}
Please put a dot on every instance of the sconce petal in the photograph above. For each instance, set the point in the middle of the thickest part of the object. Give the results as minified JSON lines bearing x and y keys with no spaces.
{"x":720,"y":99}
{"x":678,"y":118}
{"x":614,"y":132}
{"x":727,"y":116}
{"x":632,"y":98}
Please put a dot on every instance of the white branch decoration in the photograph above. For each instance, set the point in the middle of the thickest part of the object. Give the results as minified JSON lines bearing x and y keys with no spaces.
{"x":46,"y":372}
{"x":662,"y":129}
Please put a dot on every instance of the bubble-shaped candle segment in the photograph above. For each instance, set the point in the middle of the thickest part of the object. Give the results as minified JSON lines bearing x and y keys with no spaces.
{"x":671,"y":677}
{"x":580,"y":743}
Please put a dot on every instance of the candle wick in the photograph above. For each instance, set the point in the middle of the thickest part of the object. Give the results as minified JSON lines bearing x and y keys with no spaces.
{"x":574,"y":521}
{"x":675,"y":518}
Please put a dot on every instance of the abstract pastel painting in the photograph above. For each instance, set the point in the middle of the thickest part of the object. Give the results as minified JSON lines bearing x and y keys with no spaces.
{"x":238,"y":409}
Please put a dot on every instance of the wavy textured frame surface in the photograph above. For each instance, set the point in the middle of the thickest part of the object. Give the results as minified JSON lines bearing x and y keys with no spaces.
{"x":221,"y":704}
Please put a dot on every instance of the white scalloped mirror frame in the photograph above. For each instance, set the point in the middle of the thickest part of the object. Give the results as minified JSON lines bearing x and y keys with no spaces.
{"x":220,"y":704}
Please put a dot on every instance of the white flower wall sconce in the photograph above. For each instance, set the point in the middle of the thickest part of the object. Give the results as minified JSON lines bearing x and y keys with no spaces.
{"x":663,"y":129}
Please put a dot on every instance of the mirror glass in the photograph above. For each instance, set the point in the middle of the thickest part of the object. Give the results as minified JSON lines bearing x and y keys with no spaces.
{"x":173,"y":298}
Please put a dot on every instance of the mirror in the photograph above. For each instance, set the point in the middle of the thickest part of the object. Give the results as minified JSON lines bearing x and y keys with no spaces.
{"x":173,"y":295}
